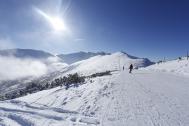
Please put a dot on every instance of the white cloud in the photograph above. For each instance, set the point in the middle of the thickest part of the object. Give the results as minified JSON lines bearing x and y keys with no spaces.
{"x":55,"y":64}
{"x":79,"y":39}
{"x":13,"y":68}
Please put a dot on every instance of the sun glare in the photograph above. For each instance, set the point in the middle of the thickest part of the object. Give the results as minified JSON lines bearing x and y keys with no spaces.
{"x":56,"y":22}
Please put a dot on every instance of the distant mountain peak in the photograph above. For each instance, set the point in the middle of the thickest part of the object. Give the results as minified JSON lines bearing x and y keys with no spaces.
{"x":127,"y":55}
{"x":25,"y":53}
{"x":78,"y":56}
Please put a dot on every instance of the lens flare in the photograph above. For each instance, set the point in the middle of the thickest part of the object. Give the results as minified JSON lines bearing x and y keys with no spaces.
{"x":56,"y":22}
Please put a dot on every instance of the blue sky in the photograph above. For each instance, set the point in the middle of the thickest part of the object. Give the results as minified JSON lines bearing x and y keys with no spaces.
{"x":144,"y":28}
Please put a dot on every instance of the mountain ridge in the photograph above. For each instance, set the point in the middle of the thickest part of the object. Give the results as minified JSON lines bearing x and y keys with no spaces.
{"x":78,"y":56}
{"x":68,"y":58}
{"x":25,"y":53}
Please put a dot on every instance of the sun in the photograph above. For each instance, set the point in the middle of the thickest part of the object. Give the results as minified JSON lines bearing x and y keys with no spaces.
{"x":56,"y":22}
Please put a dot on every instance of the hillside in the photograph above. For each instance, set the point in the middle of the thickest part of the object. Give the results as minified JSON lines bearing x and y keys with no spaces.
{"x":86,"y":67}
{"x":145,"y":98}
{"x":113,"y":62}
{"x":180,"y":67}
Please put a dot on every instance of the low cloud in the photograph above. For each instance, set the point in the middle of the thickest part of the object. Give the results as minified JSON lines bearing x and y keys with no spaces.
{"x":79,"y":39}
{"x":13,"y":68}
{"x":55,"y":64}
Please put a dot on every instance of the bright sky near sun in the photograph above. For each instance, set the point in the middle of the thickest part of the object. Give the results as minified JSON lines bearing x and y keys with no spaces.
{"x":56,"y":22}
{"x":144,"y":28}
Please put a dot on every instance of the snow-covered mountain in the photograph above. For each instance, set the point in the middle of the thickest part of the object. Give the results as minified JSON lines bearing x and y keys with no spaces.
{"x":18,"y":64}
{"x":25,"y":53}
{"x":112,"y":62}
{"x":178,"y":66}
{"x":146,"y":97}
{"x":78,"y":56}
{"x":100,"y":63}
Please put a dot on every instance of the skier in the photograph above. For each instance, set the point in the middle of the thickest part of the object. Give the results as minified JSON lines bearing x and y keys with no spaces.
{"x":130,"y":68}
{"x":123,"y":68}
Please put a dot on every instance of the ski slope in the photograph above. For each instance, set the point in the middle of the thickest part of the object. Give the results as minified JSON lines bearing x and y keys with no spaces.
{"x":148,"y":99}
{"x":144,"y":98}
{"x":179,"y":67}
{"x":112,"y":62}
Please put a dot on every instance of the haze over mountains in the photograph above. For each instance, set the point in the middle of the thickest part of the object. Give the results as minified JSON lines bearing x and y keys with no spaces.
{"x":22,"y":63}
{"x":39,"y":54}
{"x":22,"y":66}
{"x":29,"y":62}
{"x":25,"y":53}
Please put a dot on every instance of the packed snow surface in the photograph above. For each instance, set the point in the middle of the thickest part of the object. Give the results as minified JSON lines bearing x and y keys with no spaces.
{"x":179,"y":67}
{"x":144,"y":98}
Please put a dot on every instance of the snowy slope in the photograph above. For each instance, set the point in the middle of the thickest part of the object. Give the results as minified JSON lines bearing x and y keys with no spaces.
{"x":180,"y":67}
{"x":117,"y":100}
{"x":111,"y":62}
{"x":144,"y":98}
{"x":100,"y":63}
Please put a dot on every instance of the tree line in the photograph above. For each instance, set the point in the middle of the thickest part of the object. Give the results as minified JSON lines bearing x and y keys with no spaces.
{"x":71,"y":80}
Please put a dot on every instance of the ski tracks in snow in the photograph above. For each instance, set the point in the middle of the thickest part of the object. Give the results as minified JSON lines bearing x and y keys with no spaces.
{"x":140,"y":99}
{"x":19,"y":116}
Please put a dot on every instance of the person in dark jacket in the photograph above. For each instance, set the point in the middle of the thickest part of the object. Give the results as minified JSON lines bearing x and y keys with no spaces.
{"x":130,"y":68}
